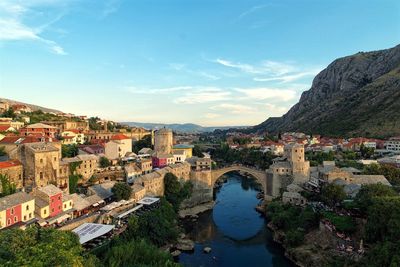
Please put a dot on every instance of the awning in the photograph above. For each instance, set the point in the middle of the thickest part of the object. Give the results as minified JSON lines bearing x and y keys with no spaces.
{"x":126,"y":213}
{"x":63,"y":218}
{"x":95,"y":204}
{"x":90,"y":231}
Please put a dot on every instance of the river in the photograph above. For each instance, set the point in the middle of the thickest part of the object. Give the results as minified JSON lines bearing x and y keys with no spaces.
{"x":236,"y":233}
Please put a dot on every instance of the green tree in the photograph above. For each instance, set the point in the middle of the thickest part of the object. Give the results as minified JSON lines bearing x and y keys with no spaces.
{"x":73,"y":182}
{"x":197,"y":151}
{"x":9,"y":114}
{"x":391,"y":173}
{"x":145,"y":142}
{"x":159,"y":225}
{"x":121,"y":191}
{"x":175,"y":191}
{"x":104,"y":162}
{"x":332,"y":194}
{"x":7,"y":188}
{"x":138,"y":253}
{"x":367,"y":193}
{"x":39,"y":247}
{"x":2,"y":151}
{"x":93,"y":124}
{"x":69,"y":151}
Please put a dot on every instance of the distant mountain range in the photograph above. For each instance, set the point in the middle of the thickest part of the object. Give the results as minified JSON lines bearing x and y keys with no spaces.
{"x":183,"y":127}
{"x":357,"y":95}
{"x":33,"y":107}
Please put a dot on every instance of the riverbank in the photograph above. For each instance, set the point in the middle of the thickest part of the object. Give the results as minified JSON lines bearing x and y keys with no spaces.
{"x":195,"y":210}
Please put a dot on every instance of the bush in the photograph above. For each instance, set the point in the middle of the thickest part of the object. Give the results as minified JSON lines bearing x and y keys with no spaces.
{"x":344,"y":224}
{"x":104,"y":162}
{"x":294,"y":238}
{"x":121,"y":191}
{"x":175,"y":191}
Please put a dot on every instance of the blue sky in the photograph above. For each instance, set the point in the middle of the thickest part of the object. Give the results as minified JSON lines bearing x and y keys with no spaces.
{"x":209,"y":62}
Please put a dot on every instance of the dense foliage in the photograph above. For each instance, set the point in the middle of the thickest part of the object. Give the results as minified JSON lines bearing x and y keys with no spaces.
{"x":246,"y":156}
{"x":40,"y":247}
{"x":364,"y":198}
{"x":94,"y":125}
{"x":176,"y":191}
{"x":7,"y":188}
{"x":342,"y":224}
{"x":137,"y":253}
{"x":316,"y":158}
{"x":197,"y":151}
{"x":104,"y":162}
{"x":121,"y":191}
{"x":69,"y":151}
{"x":73,"y":182}
{"x":38,"y":116}
{"x":145,"y":142}
{"x":294,"y":221}
{"x":392,"y":174}
{"x":2,"y":151}
{"x":159,"y":226}
{"x":332,"y":194}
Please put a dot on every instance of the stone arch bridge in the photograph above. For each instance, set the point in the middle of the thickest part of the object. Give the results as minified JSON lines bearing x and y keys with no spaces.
{"x":259,"y":175}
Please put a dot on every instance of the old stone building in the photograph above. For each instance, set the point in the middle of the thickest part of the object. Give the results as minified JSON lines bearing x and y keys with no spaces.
{"x":163,"y":141}
{"x":118,"y":146}
{"x":86,"y":165}
{"x":14,"y":171}
{"x":291,"y":168}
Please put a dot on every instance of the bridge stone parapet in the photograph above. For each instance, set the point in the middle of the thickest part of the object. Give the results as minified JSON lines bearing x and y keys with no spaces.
{"x":259,"y":175}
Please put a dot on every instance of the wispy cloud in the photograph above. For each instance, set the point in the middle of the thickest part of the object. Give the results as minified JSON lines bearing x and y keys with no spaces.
{"x":183,"y":68}
{"x":203,"y":95}
{"x":234,"y":108}
{"x":268,"y":93}
{"x":271,"y":70}
{"x":12,"y":27}
{"x":110,"y":6}
{"x":166,"y":90}
{"x":251,"y":10}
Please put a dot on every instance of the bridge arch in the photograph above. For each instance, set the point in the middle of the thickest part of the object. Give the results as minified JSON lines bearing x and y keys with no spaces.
{"x":259,"y":175}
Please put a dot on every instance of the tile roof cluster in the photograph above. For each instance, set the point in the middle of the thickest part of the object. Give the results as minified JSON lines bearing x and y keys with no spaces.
{"x":9,"y":164}
{"x":14,"y":199}
{"x":119,"y":137}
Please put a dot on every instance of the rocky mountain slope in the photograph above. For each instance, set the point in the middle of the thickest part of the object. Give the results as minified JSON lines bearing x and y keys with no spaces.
{"x":33,"y":107}
{"x":354,"y":95}
{"x":180,"y":127}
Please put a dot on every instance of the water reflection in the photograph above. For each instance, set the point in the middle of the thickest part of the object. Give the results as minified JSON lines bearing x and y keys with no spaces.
{"x":236,"y":233}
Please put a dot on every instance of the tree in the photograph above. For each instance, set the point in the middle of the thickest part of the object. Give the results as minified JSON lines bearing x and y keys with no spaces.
{"x":145,"y":142}
{"x":159,"y":225}
{"x":2,"y":151}
{"x":175,"y":191}
{"x":40,"y":247}
{"x":93,"y":125}
{"x":104,"y":162}
{"x":73,"y":182}
{"x":121,"y":191}
{"x":7,"y":188}
{"x":69,"y":151}
{"x":332,"y":194}
{"x":391,"y":173}
{"x":138,"y":253}
{"x":9,"y":114}
{"x":197,"y":151}
{"x":367,"y":193}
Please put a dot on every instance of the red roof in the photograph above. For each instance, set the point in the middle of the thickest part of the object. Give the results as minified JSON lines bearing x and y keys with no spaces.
{"x":4,"y":128}
{"x":9,"y":163}
{"x":73,"y":130}
{"x":23,"y":139}
{"x":119,"y":137}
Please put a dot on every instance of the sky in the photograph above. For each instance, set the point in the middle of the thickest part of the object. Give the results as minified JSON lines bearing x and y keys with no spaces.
{"x":210,"y":62}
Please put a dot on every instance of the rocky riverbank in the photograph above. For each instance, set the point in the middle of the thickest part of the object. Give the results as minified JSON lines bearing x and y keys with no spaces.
{"x":194,"y":211}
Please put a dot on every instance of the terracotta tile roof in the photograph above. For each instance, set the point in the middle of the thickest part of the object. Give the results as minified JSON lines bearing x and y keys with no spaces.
{"x":24,"y":139}
{"x":4,"y":128}
{"x":119,"y":137}
{"x":73,"y":130}
{"x":9,"y":163}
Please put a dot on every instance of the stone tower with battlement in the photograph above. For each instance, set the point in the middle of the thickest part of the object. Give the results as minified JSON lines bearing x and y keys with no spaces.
{"x":300,"y":167}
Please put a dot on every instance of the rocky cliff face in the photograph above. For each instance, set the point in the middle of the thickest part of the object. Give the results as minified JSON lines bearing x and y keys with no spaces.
{"x":354,"y":95}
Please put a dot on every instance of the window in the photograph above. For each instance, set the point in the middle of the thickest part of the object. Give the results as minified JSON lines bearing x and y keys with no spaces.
{"x":27,"y":207}
{"x":59,"y":207}
{"x":70,"y":204}
{"x":30,"y":215}
{"x":52,"y":210}
{"x":15,"y":219}
{"x":65,"y":206}
{"x":59,"y":197}
{"x":9,"y":222}
{"x":12,"y":211}
{"x":41,"y":175}
{"x":24,"y":217}
{"x":41,"y":160}
{"x":44,"y":211}
{"x":55,"y":158}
